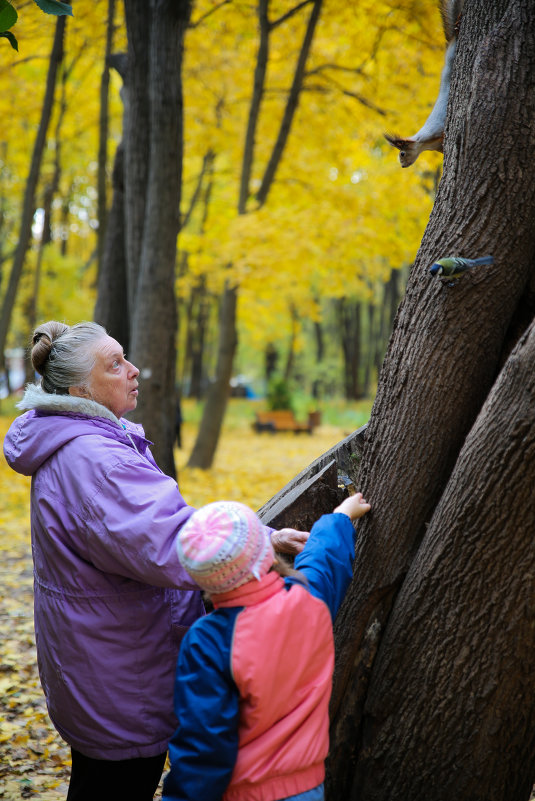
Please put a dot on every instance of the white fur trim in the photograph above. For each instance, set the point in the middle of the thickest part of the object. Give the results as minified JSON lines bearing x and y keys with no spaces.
{"x":36,"y":398}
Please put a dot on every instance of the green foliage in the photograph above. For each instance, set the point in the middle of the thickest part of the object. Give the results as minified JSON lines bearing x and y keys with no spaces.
{"x":279,"y":395}
{"x":9,"y":16}
{"x":54,"y":7}
{"x":11,"y":39}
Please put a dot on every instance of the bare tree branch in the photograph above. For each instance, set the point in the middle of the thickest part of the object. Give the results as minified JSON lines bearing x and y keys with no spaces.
{"x":208,"y":160}
{"x":291,"y":106}
{"x":340,"y":67}
{"x":289,"y":14}
{"x":209,"y":13}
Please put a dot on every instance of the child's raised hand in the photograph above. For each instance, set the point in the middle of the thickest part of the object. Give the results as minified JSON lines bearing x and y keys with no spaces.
{"x":354,"y":507}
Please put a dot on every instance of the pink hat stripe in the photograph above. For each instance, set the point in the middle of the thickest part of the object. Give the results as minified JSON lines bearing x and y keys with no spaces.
{"x":223,"y":545}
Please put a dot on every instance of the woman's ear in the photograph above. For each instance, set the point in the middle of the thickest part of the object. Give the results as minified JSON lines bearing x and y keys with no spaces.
{"x":79,"y":392}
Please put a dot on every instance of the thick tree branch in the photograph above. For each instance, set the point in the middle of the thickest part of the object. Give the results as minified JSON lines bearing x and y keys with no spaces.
{"x":291,"y":106}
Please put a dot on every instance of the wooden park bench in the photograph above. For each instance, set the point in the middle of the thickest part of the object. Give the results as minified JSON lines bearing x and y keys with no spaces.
{"x":282,"y":420}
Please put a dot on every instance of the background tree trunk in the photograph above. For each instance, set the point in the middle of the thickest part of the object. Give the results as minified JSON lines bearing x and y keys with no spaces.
{"x":111,"y":307}
{"x":203,"y":451}
{"x":102,"y":206}
{"x":290,"y":356}
{"x":136,"y":138}
{"x":214,"y":411}
{"x":142,"y":230}
{"x":448,"y":345}
{"x":349,"y":327}
{"x":198,"y":334}
{"x":28,"y":208}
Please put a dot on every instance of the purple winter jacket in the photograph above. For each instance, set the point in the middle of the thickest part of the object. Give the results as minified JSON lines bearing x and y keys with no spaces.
{"x":112,"y":601}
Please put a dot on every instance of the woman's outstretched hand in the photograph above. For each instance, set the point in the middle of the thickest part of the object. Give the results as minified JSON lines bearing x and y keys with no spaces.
{"x":289,"y":540}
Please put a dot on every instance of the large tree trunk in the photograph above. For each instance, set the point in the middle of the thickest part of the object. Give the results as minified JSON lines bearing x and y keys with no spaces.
{"x":448,"y":346}
{"x":152,"y":182}
{"x":450,"y":710}
{"x":153,"y":325}
{"x":28,"y":207}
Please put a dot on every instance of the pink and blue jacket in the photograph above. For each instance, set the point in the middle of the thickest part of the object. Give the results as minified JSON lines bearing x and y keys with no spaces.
{"x":253,"y":681}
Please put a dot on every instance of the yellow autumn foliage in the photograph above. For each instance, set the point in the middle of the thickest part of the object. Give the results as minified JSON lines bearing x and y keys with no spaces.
{"x":341,"y":213}
{"x":68,"y":284}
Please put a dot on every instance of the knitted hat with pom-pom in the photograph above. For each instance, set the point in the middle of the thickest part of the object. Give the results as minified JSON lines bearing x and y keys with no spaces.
{"x":223,"y":545}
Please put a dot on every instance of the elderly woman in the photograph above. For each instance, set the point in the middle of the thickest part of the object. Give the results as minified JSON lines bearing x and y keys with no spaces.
{"x":112,"y":601}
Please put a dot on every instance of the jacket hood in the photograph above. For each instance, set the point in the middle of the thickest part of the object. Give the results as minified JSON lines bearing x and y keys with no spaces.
{"x":54,"y":420}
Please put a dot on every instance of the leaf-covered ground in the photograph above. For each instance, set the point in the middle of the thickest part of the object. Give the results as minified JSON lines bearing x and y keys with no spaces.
{"x":34,"y":761}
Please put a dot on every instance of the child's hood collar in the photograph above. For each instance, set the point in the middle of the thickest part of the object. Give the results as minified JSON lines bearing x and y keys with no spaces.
{"x":253,"y":592}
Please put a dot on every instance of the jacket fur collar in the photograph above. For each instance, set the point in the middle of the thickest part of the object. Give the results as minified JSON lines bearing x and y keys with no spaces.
{"x":36,"y":398}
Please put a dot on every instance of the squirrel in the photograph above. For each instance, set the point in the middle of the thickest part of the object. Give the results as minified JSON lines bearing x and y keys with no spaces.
{"x":431,"y":135}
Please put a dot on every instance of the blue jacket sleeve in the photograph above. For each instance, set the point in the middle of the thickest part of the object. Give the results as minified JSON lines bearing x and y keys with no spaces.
{"x":203,"y":750}
{"x":327,"y":559}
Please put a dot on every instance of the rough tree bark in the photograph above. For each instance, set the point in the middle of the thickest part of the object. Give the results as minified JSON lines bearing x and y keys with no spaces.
{"x":434,"y":685}
{"x":450,"y":710}
{"x":148,"y":199}
{"x":153,"y":324}
{"x":448,"y":346}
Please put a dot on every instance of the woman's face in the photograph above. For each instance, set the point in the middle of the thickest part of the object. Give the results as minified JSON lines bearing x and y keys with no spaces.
{"x":113,"y":379}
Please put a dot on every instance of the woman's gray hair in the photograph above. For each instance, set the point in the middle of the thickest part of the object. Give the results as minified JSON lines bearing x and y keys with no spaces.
{"x":64,"y":355}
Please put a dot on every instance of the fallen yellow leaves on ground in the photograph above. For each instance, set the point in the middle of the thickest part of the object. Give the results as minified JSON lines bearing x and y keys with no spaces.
{"x":249,"y":467}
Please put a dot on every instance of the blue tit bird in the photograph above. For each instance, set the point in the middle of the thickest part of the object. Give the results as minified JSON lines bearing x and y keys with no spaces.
{"x":452,"y":267}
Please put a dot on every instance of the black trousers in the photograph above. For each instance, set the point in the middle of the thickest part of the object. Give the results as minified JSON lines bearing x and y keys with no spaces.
{"x":104,"y":780}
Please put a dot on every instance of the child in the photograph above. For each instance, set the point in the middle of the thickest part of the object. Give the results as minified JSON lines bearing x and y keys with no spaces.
{"x":254,"y":676}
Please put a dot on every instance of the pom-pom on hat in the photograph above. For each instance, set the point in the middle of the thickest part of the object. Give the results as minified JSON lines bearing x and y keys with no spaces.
{"x":223,"y":545}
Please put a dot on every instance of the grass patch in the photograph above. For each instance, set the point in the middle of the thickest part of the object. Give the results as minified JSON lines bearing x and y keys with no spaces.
{"x":240,"y":412}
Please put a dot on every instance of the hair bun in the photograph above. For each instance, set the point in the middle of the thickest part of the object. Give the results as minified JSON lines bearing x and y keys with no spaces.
{"x":42,"y":340}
